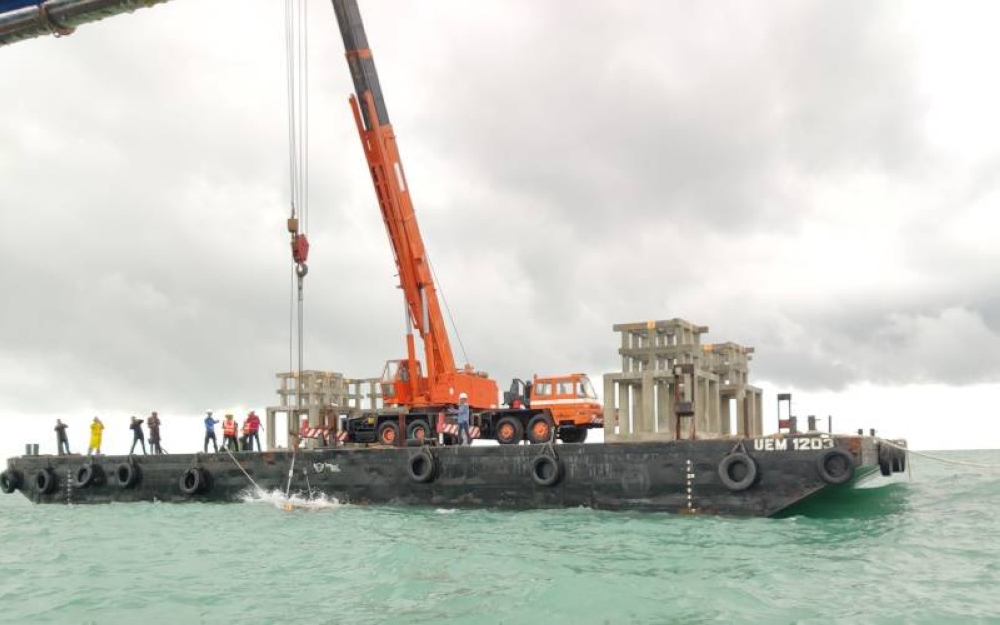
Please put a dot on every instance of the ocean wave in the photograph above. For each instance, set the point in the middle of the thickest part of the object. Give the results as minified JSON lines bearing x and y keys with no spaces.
{"x":293,"y":501}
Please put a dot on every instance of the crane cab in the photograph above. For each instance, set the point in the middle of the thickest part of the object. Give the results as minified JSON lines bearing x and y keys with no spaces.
{"x":397,"y":381}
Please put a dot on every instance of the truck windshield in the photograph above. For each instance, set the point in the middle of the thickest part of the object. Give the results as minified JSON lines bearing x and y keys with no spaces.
{"x":586,"y":389}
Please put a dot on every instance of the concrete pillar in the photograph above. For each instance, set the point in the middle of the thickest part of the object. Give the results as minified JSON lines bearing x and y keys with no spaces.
{"x":758,"y":398}
{"x":609,"y":408}
{"x":741,"y":411}
{"x":646,"y":419}
{"x":724,"y":416}
{"x":714,"y":425}
{"x":270,"y":433}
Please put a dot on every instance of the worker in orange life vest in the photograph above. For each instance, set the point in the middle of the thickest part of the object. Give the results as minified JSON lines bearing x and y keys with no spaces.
{"x":253,"y":424}
{"x":245,"y":439}
{"x":229,"y":433}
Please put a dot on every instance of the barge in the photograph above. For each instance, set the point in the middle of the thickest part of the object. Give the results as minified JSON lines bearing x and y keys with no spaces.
{"x":737,"y":477}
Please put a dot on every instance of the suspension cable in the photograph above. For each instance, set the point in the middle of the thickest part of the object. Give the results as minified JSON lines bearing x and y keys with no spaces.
{"x":447,"y":309}
{"x":297,"y":65}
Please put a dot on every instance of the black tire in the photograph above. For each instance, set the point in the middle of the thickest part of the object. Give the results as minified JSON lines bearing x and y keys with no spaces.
{"x":192,"y":481}
{"x":836,"y":466}
{"x":536,"y":422}
{"x":127,"y":474}
{"x":573,"y":435}
{"x":10,"y":480}
{"x":45,"y":481}
{"x":546,"y":471}
{"x":417,"y":426}
{"x":87,"y":475}
{"x":509,"y":431}
{"x":899,"y":462}
{"x":421,"y":468}
{"x":738,"y":471}
{"x":885,"y":460}
{"x":388,"y":433}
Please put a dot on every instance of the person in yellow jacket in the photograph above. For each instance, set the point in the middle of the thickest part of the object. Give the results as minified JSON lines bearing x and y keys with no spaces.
{"x":96,"y":433}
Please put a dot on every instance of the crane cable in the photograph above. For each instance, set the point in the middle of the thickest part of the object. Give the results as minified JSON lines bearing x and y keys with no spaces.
{"x":447,"y":309}
{"x":297,"y":75}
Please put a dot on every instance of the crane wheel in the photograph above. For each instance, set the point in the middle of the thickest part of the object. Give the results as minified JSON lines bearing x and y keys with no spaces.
{"x":418,"y":430}
{"x":540,"y":429}
{"x":388,"y":433}
{"x":509,"y":431}
{"x":573,"y":435}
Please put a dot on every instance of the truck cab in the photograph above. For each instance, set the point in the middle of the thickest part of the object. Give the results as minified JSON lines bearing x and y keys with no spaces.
{"x":569,"y":400}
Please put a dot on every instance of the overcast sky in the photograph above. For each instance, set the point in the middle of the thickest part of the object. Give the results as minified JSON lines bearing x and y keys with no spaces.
{"x":816,"y":179}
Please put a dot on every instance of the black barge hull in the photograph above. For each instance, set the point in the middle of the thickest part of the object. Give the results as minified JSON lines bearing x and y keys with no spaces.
{"x":749,"y":477}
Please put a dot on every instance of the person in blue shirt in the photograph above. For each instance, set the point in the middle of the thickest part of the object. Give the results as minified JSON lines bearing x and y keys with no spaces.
{"x":210,"y":432}
{"x":463,"y":419}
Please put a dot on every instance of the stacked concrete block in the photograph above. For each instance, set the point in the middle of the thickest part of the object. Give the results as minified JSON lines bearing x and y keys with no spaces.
{"x":648,"y":394}
{"x":322,"y":396}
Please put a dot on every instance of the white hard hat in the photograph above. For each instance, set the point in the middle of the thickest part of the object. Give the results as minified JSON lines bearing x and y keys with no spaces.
{"x":463,"y":396}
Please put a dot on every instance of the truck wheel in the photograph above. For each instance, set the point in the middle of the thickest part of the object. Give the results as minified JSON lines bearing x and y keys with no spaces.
{"x":388,"y":433}
{"x":509,"y":431}
{"x":540,"y":429}
{"x":573,"y":435}
{"x":418,"y":430}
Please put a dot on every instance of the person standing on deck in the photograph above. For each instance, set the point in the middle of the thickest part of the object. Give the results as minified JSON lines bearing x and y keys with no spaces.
{"x":463,"y":419}
{"x":229,"y":434}
{"x":210,"y":432}
{"x":154,"y":433}
{"x":254,"y":422}
{"x":138,"y":437}
{"x":245,"y":438}
{"x":96,"y":433}
{"x":61,"y":440}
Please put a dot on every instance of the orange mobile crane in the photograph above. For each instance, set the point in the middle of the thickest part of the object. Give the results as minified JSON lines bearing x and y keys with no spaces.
{"x":535,"y":410}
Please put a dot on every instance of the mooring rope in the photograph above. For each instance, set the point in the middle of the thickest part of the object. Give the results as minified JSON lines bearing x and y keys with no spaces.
{"x":242,"y":469}
{"x":964,"y":463}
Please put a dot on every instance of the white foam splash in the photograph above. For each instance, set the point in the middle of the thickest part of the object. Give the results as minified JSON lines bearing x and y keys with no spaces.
{"x":296,"y":501}
{"x":446,"y":510}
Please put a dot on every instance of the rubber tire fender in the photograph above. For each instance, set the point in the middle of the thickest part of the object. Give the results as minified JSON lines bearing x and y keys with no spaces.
{"x":387,"y":425}
{"x":127,"y":474}
{"x":824,"y":472}
{"x":418,"y":424}
{"x":885,"y":460}
{"x":540,"y":418}
{"x":86,"y":475}
{"x":543,"y":476}
{"x":45,"y":481}
{"x":421,"y":468}
{"x":192,"y":481}
{"x":748,"y":480}
{"x":10,"y":480}
{"x":518,"y":435}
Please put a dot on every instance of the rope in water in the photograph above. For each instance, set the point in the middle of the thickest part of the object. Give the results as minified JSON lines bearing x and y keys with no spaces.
{"x":238,"y":465}
{"x":964,"y":463}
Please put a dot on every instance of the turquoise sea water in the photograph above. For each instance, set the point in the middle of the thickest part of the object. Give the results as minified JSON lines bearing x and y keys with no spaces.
{"x":923,"y":551}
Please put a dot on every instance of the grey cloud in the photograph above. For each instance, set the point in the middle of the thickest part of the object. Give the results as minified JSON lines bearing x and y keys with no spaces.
{"x":571,"y":169}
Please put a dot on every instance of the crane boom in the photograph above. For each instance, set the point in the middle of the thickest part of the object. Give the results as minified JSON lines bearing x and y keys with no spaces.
{"x":27,"y":19}
{"x":443,"y":383}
